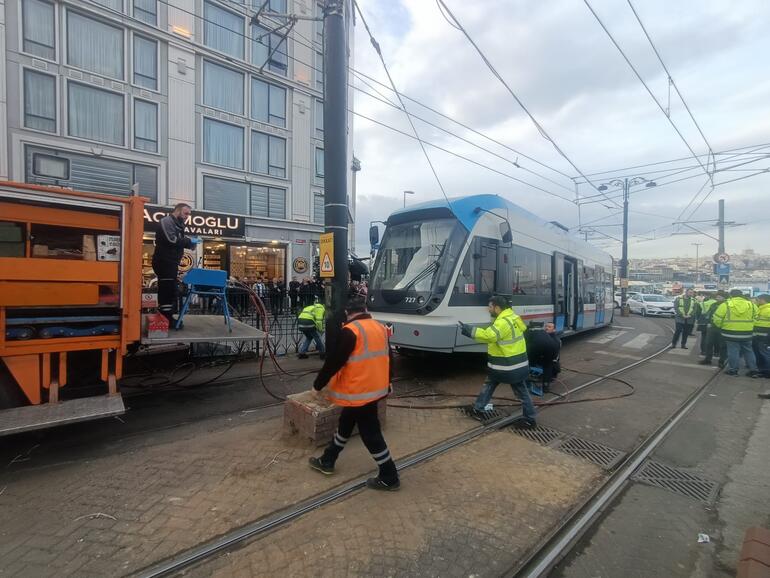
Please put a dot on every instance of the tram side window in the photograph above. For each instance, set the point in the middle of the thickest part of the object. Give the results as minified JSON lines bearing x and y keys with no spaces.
{"x":478,"y":272}
{"x":545,"y":268}
{"x":525,"y":271}
{"x":589,"y":285}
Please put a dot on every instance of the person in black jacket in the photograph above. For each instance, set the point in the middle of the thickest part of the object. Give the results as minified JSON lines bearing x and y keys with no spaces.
{"x":543,"y":349}
{"x":170,"y":243}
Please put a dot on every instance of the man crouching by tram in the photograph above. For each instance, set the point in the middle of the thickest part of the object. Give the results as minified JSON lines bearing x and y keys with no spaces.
{"x":506,"y":359}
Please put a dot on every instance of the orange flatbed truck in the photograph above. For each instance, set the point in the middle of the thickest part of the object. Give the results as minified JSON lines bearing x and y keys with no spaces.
{"x":70,"y":282}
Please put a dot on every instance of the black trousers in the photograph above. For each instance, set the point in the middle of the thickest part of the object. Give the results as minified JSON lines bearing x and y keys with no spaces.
{"x":166,"y":272}
{"x":703,"y":330}
{"x":365,"y":417}
{"x":682,"y":330}
{"x":715,"y":346}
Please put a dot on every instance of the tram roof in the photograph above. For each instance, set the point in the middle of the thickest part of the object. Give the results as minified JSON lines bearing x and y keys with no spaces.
{"x":464,"y":208}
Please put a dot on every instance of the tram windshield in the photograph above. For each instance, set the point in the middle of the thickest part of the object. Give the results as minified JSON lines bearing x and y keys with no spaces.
{"x":413,"y":256}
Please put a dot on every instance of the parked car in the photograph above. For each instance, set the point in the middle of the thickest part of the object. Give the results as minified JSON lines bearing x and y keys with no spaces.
{"x":629,"y":294}
{"x":646,"y":304}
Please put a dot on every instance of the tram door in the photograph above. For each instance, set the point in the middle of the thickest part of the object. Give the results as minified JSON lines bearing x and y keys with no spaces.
{"x":559,"y":292}
{"x":579,"y":300}
{"x":599,"y":276}
{"x":570,"y":296}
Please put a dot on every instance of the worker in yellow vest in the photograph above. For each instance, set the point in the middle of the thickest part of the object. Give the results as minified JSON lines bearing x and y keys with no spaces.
{"x":507,"y":360}
{"x":735,"y":319}
{"x":762,"y":335}
{"x":704,"y":319}
{"x":686,"y":311}
{"x":715,"y":345}
{"x":311,"y":323}
{"x":358,"y":372}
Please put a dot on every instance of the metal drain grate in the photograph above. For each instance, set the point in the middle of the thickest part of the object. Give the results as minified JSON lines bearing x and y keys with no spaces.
{"x":676,"y":480}
{"x":540,"y":434}
{"x":601,"y":455}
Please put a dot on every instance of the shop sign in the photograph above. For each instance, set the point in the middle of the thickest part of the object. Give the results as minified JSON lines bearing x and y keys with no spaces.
{"x":300,"y":241}
{"x":199,"y":222}
{"x":300,"y":265}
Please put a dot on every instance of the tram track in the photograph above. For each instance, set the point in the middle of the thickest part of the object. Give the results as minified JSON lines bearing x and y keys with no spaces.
{"x":210,"y":549}
{"x":559,"y":543}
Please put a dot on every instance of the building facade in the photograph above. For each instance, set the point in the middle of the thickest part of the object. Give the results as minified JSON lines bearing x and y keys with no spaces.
{"x":215,"y":103}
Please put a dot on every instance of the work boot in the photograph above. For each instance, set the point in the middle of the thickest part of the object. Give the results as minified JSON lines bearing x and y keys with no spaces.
{"x":704,"y":362}
{"x":302,"y":356}
{"x":765,"y":395}
{"x":524,"y":423}
{"x":732,"y":372}
{"x":320,"y":466}
{"x":753,"y":374}
{"x":380,"y":484}
{"x":685,"y":347}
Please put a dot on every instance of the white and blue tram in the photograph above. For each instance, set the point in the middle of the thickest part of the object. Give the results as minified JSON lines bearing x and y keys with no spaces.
{"x":439,"y":263}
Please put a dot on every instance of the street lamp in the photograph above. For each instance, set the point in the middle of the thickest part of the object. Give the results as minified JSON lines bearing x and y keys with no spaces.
{"x":405,"y":194}
{"x":697,"y":261}
{"x":626,"y":184}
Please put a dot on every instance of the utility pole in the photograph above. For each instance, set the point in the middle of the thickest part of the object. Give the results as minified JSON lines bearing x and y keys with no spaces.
{"x":626,"y":184}
{"x":335,"y":151}
{"x":697,"y":261}
{"x":721,"y":225}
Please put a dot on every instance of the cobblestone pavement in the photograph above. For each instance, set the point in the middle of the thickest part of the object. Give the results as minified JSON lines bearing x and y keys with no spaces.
{"x":466,"y":513}
{"x":118,"y":513}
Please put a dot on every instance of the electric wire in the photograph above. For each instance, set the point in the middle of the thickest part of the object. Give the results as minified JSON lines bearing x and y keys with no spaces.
{"x":649,"y":91}
{"x":378,"y":50}
{"x":670,"y":78}
{"x":497,"y":75}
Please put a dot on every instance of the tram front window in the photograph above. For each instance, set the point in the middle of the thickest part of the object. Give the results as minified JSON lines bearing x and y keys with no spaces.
{"x":417,"y":257}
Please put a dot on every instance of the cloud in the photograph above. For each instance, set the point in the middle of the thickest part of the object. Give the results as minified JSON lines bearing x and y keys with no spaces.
{"x":564,"y":68}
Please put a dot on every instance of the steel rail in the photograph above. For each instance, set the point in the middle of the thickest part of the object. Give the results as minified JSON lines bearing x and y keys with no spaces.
{"x":561,"y":542}
{"x":208,"y":549}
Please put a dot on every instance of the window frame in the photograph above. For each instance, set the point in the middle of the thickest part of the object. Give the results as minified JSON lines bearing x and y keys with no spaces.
{"x":242,"y":33}
{"x":318,"y":195}
{"x":57,"y":96}
{"x":244,"y":95}
{"x":126,"y":115}
{"x":134,"y":16}
{"x":134,"y":100}
{"x":269,"y":163}
{"x":270,"y":189}
{"x":156,"y":90}
{"x":35,"y":156}
{"x":56,"y":35}
{"x":253,"y":78}
{"x":319,"y":176}
{"x":126,"y":48}
{"x":244,"y":145}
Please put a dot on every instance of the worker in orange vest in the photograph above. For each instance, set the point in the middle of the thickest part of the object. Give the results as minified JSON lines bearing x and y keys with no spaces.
{"x":357,"y":371}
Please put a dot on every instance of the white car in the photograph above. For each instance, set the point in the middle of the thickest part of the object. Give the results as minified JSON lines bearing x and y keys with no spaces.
{"x":629,"y":296}
{"x":657,"y":305}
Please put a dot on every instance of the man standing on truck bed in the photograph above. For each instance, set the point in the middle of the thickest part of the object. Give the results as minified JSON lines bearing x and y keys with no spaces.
{"x":170,"y":243}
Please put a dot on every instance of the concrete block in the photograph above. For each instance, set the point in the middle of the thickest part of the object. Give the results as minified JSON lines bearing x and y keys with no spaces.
{"x":316,"y":420}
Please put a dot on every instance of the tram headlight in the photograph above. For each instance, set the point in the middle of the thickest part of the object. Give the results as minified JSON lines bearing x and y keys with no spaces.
{"x":420,"y":300}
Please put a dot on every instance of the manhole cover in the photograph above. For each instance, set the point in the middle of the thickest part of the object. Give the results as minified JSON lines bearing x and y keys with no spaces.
{"x":540,"y":434}
{"x":601,"y":455}
{"x":676,"y":480}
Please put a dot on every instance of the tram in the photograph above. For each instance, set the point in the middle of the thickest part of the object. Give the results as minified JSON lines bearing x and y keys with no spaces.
{"x":439,"y":262}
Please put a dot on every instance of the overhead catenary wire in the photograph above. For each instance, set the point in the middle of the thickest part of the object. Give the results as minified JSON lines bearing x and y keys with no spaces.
{"x":499,"y":77}
{"x":647,"y":88}
{"x":378,"y":50}
{"x":670,"y":78}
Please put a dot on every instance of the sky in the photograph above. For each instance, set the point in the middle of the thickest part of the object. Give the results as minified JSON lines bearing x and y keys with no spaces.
{"x":563,"y":67}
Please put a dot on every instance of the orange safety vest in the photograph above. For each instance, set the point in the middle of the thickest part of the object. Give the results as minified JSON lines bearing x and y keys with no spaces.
{"x":366,"y":375}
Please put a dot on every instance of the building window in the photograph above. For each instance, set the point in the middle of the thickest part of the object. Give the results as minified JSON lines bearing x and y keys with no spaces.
{"x":95,"y":114}
{"x":319,"y":71}
{"x":146,"y":11}
{"x":318,"y":25}
{"x":145,"y":126}
{"x":268,"y":47}
{"x":38,"y":35}
{"x":94,"y":46}
{"x":278,"y":6}
{"x":319,"y":163}
{"x":116,"y":5}
{"x":319,"y":119}
{"x":39,"y":101}
{"x":226,"y":196}
{"x":222,"y":144}
{"x":222,"y":88}
{"x":223,"y":30}
{"x":318,"y":209}
{"x":268,"y":102}
{"x":268,"y":202}
{"x":145,"y":62}
{"x":51,"y":167}
{"x":268,"y":154}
